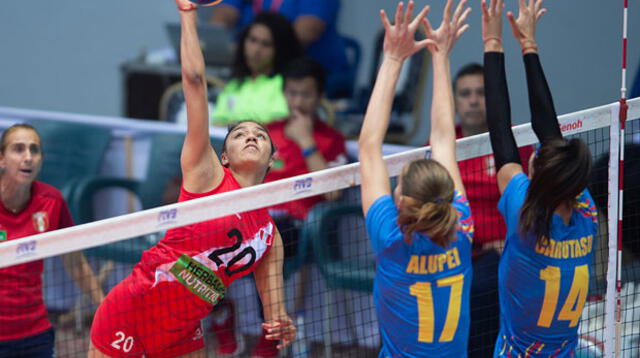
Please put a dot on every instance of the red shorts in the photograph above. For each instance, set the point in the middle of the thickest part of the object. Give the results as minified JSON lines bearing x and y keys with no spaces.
{"x":163,"y":321}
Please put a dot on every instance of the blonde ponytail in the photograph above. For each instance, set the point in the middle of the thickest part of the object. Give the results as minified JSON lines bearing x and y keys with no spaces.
{"x":436,"y":220}
{"x":427,"y":192}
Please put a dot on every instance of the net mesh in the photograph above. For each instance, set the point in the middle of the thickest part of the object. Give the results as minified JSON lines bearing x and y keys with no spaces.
{"x":329,"y":264}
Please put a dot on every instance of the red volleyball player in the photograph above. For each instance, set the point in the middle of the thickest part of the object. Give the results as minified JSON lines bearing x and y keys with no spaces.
{"x":156,"y":311}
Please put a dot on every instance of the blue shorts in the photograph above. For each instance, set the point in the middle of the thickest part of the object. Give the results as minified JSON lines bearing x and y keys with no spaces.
{"x":40,"y":345}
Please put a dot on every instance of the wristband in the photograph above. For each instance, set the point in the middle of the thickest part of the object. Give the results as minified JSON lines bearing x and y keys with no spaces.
{"x":308,"y":151}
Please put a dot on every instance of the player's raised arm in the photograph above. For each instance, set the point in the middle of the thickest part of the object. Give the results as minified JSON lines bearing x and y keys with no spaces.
{"x":201,"y":169}
{"x":443,"y":136}
{"x":503,"y":142}
{"x":399,"y":44}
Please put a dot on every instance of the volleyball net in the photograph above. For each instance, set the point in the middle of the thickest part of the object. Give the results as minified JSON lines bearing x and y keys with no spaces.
{"x":329,"y":265}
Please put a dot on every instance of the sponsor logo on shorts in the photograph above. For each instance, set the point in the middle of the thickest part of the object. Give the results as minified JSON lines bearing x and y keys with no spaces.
{"x":302,"y":185}
{"x":166,"y":217}
{"x":3,"y":235}
{"x":198,"y":335}
{"x":26,"y":249}
{"x":199,"y":279}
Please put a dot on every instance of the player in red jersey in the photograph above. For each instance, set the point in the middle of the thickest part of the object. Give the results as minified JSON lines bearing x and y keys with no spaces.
{"x":30,"y":207}
{"x":156,"y":311}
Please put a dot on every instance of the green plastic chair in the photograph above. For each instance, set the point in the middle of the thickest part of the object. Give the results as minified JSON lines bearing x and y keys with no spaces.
{"x":338,"y":270}
{"x":163,"y":165}
{"x":72,"y":151}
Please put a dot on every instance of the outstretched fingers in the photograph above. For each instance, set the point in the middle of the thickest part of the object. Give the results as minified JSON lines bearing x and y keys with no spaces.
{"x":385,"y":21}
{"x":447,"y":12}
{"x":540,"y":13}
{"x":418,"y":19}
{"x":428,"y":29}
{"x":522,"y":5}
{"x":514,"y":25}
{"x":485,"y":10}
{"x":459,"y":10}
{"x":398,"y":20}
{"x":462,"y":30}
{"x":409,"y":13}
{"x":463,"y":18}
{"x":538,"y":10}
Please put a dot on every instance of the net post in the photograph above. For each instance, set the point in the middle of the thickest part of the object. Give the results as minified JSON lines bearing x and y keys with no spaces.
{"x":612,"y":225}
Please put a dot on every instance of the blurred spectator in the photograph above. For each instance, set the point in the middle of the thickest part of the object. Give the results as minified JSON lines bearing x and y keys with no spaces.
{"x":255,"y":90}
{"x":315,"y":24}
{"x":304,"y":142}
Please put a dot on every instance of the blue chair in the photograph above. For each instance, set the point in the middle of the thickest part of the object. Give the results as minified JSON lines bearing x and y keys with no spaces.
{"x":342,"y":84}
{"x":409,"y":97}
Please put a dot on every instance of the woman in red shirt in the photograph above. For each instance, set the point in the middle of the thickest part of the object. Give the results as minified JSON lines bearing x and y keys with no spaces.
{"x":157,"y":310}
{"x":29,"y":207}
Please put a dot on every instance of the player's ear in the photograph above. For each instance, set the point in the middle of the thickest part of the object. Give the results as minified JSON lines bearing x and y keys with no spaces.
{"x":224,"y":159}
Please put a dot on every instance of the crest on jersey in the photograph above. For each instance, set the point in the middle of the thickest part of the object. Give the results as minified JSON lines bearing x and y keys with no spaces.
{"x":40,"y":221}
{"x":278,"y":163}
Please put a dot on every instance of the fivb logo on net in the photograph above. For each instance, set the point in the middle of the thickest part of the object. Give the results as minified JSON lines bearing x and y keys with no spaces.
{"x":166,"y":217}
{"x":302,"y":185}
{"x":25,"y":249}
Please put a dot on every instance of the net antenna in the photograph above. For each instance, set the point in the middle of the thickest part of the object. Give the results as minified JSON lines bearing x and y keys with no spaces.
{"x":613,"y":324}
{"x":622,"y":118}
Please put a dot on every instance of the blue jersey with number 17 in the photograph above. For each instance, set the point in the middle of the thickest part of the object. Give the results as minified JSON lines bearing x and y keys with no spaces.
{"x":421,"y":290}
{"x":543,"y":287}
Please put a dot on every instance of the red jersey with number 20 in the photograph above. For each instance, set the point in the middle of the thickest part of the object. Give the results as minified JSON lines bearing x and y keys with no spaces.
{"x":230,"y":247}
{"x":22,"y":310}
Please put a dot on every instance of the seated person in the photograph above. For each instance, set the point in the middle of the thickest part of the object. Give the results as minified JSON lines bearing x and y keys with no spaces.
{"x":304,"y":142}
{"x":315,"y":24}
{"x":255,"y":89}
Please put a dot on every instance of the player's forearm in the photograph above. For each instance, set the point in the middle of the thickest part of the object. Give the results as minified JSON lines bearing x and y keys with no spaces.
{"x":543,"y":114}
{"x":270,"y":284}
{"x":191,"y":56}
{"x":81,"y":272}
{"x":376,"y":119}
{"x":503,"y":143}
{"x":442,"y":128}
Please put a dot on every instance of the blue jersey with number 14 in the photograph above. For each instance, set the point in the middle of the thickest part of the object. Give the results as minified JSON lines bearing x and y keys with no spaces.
{"x":421,"y":290}
{"x":543,"y":287}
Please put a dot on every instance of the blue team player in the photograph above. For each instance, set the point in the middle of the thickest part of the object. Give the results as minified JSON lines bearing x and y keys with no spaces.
{"x":551,"y":218}
{"x":422,"y":234}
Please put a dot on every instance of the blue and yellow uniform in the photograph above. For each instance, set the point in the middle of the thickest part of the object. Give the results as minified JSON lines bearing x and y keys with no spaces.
{"x":543,"y":287}
{"x":421,"y":290}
